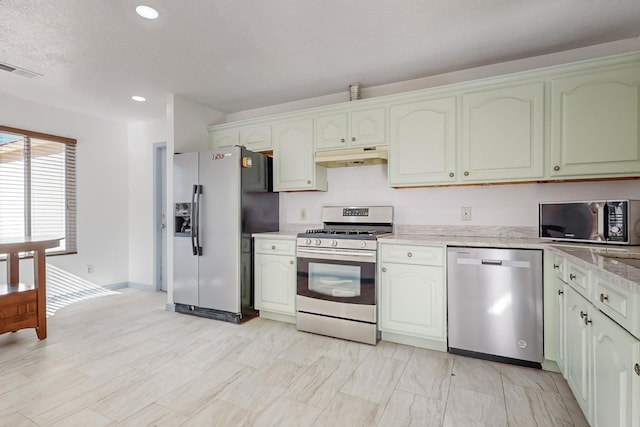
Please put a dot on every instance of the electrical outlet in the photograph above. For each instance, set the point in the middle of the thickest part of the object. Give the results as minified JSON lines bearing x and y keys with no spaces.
{"x":465,"y":213}
{"x":303,"y":214}
{"x":89,"y":268}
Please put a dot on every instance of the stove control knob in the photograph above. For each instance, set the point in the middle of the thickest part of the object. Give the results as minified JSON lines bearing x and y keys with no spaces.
{"x":334,"y":243}
{"x":318,"y":242}
{"x":363,"y":244}
{"x":307,"y":242}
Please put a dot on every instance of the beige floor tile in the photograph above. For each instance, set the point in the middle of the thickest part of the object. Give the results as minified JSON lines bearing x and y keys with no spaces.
{"x":308,"y":348}
{"x":15,"y":420}
{"x":477,"y":375}
{"x":375,"y":378}
{"x":191,"y":397}
{"x":154,"y":415}
{"x":412,"y":410}
{"x":467,"y":408}
{"x":287,"y":413}
{"x":570,"y":402}
{"x":319,"y":383}
{"x":527,"y":406}
{"x":349,"y":411}
{"x":349,"y":351}
{"x":219,"y":414}
{"x":528,"y":377}
{"x":427,"y":373}
{"x":85,"y":417}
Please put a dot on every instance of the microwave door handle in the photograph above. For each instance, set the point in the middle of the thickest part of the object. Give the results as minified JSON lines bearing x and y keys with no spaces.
{"x":195,"y":220}
{"x":602,"y":212}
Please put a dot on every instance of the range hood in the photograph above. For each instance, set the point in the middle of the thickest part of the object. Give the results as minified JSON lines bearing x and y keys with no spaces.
{"x":352,"y":157}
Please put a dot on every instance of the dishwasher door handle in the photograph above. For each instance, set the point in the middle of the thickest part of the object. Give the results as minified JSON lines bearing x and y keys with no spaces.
{"x":492,"y":261}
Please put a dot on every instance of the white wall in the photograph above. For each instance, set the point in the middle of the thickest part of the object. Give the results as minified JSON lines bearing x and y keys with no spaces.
{"x":142,"y":137}
{"x":102,"y":186}
{"x":491,"y":205}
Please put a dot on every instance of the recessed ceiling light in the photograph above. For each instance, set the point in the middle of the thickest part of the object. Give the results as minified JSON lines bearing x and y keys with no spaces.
{"x":138,"y":98}
{"x":147,"y":12}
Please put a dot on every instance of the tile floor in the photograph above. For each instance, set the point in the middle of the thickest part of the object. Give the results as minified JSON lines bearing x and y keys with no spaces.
{"x":122,"y":360}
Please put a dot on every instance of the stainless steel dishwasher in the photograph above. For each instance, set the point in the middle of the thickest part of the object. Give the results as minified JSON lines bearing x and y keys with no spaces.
{"x":495,"y":304}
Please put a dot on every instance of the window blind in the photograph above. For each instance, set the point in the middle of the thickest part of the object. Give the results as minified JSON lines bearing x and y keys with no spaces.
{"x":38,"y":187}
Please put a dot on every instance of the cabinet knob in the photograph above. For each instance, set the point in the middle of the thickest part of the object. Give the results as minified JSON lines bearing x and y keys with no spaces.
{"x":560,"y":292}
{"x":342,"y":139}
{"x":556,"y":266}
{"x":466,"y":173}
{"x":604,"y":298}
{"x":583,"y":315}
{"x":451,"y":174}
{"x":291,"y":262}
{"x":556,"y":168}
{"x":308,"y":181}
{"x":273,"y":247}
{"x":384,"y":269}
{"x":409,"y":254}
{"x":586,"y":321}
{"x":572,"y":277}
{"x":353,"y":138}
{"x":636,"y":368}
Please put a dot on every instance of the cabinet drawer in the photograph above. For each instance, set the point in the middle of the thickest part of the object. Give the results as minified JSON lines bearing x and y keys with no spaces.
{"x":618,"y":304}
{"x":275,"y":247}
{"x":578,"y":278}
{"x":409,"y":254}
{"x":559,"y":266}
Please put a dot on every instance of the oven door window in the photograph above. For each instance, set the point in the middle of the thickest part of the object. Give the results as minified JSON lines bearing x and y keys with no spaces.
{"x":343,"y":281}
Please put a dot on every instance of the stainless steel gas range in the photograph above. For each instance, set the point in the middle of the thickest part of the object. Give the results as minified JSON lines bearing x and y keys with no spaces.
{"x":336,"y":289}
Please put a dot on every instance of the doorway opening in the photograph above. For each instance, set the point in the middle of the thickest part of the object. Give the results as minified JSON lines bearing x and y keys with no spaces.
{"x":160,"y":216}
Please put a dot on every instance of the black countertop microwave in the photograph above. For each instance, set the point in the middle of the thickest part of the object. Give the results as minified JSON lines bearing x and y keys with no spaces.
{"x":596,"y":221}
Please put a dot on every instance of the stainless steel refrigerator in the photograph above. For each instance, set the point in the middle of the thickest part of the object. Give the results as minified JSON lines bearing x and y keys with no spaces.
{"x":220,"y":199}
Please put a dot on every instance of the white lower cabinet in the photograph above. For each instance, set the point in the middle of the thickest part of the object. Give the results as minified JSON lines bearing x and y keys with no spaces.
{"x":615,"y":359}
{"x":275,"y":279}
{"x":602,"y":365}
{"x":412,"y":299}
{"x":577,"y":369}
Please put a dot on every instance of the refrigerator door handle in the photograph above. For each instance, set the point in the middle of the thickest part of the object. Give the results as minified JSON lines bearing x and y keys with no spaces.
{"x":195,"y":220}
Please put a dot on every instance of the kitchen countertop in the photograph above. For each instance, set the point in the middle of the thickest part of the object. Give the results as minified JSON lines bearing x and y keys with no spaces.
{"x":284,"y":235}
{"x":587,"y":256}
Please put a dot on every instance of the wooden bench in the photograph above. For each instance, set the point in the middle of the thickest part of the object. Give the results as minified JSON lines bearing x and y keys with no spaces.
{"x":24,"y":306}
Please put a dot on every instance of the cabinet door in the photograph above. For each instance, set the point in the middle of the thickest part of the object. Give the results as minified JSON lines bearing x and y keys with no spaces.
{"x":275,"y":283}
{"x":368,"y":128}
{"x":577,"y":349}
{"x":293,"y":164}
{"x":503,"y":134}
{"x":616,"y":387}
{"x":412,"y":300}
{"x":422,"y":142}
{"x":561,"y":326}
{"x":331,"y":131}
{"x":223,"y":138}
{"x":256,"y":138}
{"x":595,"y":124}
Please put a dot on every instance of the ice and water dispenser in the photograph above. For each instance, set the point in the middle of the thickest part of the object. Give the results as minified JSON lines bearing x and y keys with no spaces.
{"x":182,"y":219}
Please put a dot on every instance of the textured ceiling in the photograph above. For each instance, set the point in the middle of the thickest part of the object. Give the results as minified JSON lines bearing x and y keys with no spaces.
{"x":234,"y":55}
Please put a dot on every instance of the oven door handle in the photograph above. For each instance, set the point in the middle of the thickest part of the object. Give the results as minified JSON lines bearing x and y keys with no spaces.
{"x":337,"y":255}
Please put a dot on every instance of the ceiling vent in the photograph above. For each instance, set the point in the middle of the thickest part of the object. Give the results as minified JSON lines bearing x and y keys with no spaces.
{"x":19,"y":71}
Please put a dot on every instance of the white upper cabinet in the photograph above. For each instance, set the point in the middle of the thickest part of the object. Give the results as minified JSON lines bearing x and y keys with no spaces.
{"x":256,"y":138}
{"x":293,"y":162}
{"x":422,"y":142}
{"x":223,"y":138}
{"x":595,"y":123}
{"x":359,"y":128}
{"x":503,"y":134}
